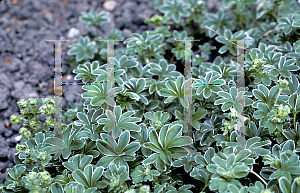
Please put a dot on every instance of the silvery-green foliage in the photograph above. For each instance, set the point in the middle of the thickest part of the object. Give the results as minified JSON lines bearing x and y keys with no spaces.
{"x":88,"y":122}
{"x":208,"y":84}
{"x":163,"y":70}
{"x":289,"y":22}
{"x":142,"y":137}
{"x":228,"y":45}
{"x":120,"y":67}
{"x":297,"y":46}
{"x":226,"y":72}
{"x":92,"y":18}
{"x":71,"y":187}
{"x":139,"y":43}
{"x":188,"y":163}
{"x":198,"y":60}
{"x":283,"y":68}
{"x":130,"y":138}
{"x":143,"y":173}
{"x":65,"y":145}
{"x":233,"y":98}
{"x":142,"y":108}
{"x":115,"y":177}
{"x":158,"y":119}
{"x":120,"y":120}
{"x":117,"y":153}
{"x":177,"y":40}
{"x":182,"y":189}
{"x":226,"y":170}
{"x":255,"y":145}
{"x":97,"y":94}
{"x":283,"y":161}
{"x":197,"y":10}
{"x":84,"y":71}
{"x":195,"y":119}
{"x":89,"y":177}
{"x":175,"y":9}
{"x":85,"y":49}
{"x":167,"y":145}
{"x":219,"y":22}
{"x":177,"y":90}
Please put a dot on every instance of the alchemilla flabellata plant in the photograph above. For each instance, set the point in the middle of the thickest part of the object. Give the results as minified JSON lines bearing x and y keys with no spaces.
{"x":154,"y":147}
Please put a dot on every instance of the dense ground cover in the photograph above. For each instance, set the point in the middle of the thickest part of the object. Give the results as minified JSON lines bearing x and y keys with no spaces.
{"x":142,"y":144}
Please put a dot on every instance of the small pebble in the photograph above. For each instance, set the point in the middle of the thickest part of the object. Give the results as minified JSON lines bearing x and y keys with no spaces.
{"x":73,"y":32}
{"x":18,"y":138}
{"x":109,"y":5}
{"x":49,"y":17}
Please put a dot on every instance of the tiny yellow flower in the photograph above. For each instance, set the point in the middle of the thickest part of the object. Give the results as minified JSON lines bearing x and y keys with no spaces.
{"x":298,"y":180}
{"x":266,"y":191}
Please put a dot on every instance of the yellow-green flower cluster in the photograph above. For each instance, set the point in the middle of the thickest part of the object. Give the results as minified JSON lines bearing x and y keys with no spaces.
{"x":114,"y":182}
{"x":22,"y":104}
{"x":156,"y":124}
{"x":20,"y":147}
{"x":34,"y":123}
{"x":233,"y":113}
{"x":130,"y":191}
{"x":32,"y":102}
{"x":28,"y":152}
{"x":49,"y":122}
{"x":147,"y":170}
{"x":228,"y":127}
{"x":281,"y":114}
{"x":298,"y":180}
{"x":144,"y":189}
{"x":37,"y":181}
{"x":47,"y":109}
{"x":31,"y":178}
{"x":44,"y":156}
{"x":16,"y":119}
{"x":45,"y":177}
{"x":258,"y":63}
{"x":266,"y":191}
{"x":282,"y":84}
{"x":49,"y":101}
{"x":156,"y":20}
{"x":25,"y":132}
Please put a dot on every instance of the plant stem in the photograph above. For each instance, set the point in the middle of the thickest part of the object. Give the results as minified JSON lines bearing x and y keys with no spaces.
{"x":203,"y":188}
{"x":295,"y":121}
{"x":249,"y":79}
{"x":59,"y":131}
{"x":259,"y":177}
{"x":97,"y":32}
{"x":172,"y":59}
{"x":277,"y":97}
{"x":274,"y":17}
